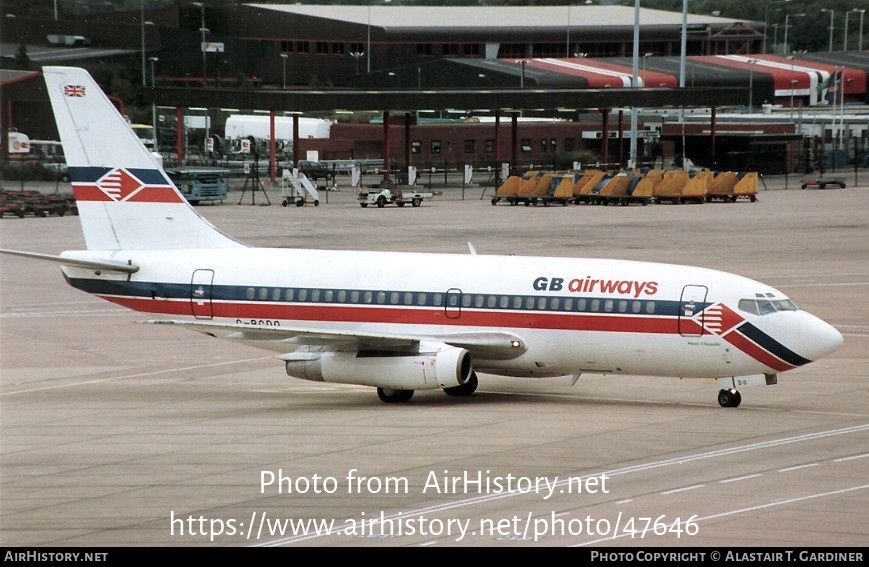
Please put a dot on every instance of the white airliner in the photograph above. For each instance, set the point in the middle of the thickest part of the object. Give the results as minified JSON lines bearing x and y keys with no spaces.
{"x":402,"y":322}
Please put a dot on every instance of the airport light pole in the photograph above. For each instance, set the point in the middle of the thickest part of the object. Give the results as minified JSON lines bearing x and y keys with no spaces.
{"x":142,"y":21}
{"x":860,"y":36}
{"x":368,"y":44}
{"x":832,"y":13}
{"x":751,"y":85}
{"x":787,"y":23}
{"x":793,"y":85}
{"x":845,"y":32}
{"x":203,"y":30}
{"x":635,"y":83}
{"x":153,"y":106}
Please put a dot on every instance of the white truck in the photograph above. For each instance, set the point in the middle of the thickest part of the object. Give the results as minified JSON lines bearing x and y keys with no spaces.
{"x":397,"y":196}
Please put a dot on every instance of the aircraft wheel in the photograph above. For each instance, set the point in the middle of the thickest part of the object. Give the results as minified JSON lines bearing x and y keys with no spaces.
{"x":390,"y":396}
{"x":465,"y":389}
{"x":729,"y":398}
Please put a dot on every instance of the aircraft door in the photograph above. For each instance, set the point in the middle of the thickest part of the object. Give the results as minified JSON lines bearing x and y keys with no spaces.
{"x":692,"y":301}
{"x":200,"y":294}
{"x":453,"y":303}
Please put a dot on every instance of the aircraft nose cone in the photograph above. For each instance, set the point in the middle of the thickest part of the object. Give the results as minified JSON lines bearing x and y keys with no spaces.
{"x":820,"y":339}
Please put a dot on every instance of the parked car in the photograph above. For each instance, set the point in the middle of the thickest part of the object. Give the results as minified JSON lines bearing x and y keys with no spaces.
{"x":315,"y":170}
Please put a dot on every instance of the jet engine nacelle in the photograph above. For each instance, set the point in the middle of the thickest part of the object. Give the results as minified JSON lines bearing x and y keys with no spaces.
{"x":446,"y":368}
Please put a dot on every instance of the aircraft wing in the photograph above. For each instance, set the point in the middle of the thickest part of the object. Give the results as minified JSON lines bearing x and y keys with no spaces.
{"x":486,"y":345}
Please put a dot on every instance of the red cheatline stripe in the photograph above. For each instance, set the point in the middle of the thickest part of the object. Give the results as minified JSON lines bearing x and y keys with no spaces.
{"x":754,"y":351}
{"x":408,"y":316}
{"x":145,"y":195}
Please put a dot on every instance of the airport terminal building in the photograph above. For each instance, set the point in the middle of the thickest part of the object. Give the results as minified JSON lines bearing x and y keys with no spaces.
{"x":293,"y":47}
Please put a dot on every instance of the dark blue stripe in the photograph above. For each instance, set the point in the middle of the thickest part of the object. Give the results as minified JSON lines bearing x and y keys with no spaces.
{"x":771,"y":345}
{"x":87,"y":174}
{"x":227,"y":293}
{"x":150,"y":176}
{"x":93,"y":174}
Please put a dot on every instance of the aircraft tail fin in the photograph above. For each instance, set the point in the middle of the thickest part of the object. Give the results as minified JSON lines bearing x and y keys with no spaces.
{"x":124,"y":198}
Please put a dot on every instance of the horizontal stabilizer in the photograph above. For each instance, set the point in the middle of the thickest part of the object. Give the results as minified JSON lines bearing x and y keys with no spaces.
{"x":66,"y":261}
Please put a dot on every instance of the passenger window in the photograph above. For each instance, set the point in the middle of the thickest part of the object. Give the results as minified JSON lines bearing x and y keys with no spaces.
{"x":636,"y":306}
{"x":438,"y":300}
{"x":541,"y":303}
{"x":328,"y":295}
{"x":568,"y":304}
{"x":623,"y":306}
{"x":263,"y":293}
{"x":478,"y":300}
{"x":315,"y":295}
{"x":650,"y":307}
{"x":420,"y":299}
{"x":504,"y":302}
{"x":288,"y":294}
{"x":517,"y":302}
{"x":342,"y":296}
{"x":608,"y":305}
{"x":529,"y":303}
{"x":368,"y":297}
{"x":393,"y":298}
{"x":580,"y":304}
{"x":491,"y":301}
{"x":276,"y":294}
{"x":408,"y":298}
{"x":381,"y":297}
{"x":303,"y":294}
{"x":250,"y":293}
{"x":595,"y":304}
{"x":354,"y":296}
{"x":554,"y":303}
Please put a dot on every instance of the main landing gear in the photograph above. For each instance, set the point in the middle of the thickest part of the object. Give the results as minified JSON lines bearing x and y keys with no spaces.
{"x":465,"y":389}
{"x":729,"y":398}
{"x":391,"y":396}
{"x":394,"y":396}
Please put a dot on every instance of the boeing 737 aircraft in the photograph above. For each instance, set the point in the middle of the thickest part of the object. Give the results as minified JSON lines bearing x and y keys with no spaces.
{"x":402,"y":322}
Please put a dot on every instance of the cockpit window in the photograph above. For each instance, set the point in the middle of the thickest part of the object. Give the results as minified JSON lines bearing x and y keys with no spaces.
{"x":761,"y":305}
